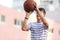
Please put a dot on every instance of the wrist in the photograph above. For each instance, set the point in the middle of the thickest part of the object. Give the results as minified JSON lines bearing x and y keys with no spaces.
{"x":37,"y":10}
{"x":26,"y":18}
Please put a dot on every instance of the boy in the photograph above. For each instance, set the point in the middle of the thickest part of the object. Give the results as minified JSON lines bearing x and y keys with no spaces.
{"x":38,"y":29}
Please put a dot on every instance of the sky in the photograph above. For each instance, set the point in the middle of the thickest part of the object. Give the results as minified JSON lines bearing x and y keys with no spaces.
{"x":6,"y":3}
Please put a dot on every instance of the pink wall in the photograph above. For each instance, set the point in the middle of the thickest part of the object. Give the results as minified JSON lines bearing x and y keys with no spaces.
{"x":56,"y":35}
{"x":8,"y":31}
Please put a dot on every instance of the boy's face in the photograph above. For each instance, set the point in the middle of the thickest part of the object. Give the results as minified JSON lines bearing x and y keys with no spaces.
{"x":38,"y":16}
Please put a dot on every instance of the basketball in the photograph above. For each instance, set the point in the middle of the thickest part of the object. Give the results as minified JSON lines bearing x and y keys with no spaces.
{"x":29,"y":5}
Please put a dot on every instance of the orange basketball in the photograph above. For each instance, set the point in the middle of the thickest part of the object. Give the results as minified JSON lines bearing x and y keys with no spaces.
{"x":29,"y":5}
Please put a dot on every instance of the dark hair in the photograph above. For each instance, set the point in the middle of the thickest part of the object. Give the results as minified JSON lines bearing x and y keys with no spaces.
{"x":42,"y":9}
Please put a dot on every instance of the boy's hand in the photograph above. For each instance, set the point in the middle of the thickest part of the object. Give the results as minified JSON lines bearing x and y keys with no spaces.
{"x":36,"y":8}
{"x":28,"y":14}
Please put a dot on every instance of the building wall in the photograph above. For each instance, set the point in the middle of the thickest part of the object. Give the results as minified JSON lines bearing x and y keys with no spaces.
{"x":8,"y":31}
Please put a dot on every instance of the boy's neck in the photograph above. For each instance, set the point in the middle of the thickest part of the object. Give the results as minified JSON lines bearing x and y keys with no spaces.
{"x":39,"y":21}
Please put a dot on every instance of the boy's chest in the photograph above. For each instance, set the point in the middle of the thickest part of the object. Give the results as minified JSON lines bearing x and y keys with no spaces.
{"x":37,"y":28}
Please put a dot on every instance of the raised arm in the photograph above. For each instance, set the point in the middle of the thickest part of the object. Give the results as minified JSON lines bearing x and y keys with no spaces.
{"x":41,"y":16}
{"x":24,"y":24}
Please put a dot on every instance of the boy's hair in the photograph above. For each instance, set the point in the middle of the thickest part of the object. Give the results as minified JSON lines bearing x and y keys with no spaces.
{"x":42,"y":9}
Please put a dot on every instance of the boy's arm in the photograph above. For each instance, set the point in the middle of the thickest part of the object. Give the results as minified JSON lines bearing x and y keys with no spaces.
{"x":24,"y":24}
{"x":42,"y":18}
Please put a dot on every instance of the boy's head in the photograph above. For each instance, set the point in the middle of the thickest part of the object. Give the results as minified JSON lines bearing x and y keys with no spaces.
{"x":42,"y":11}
